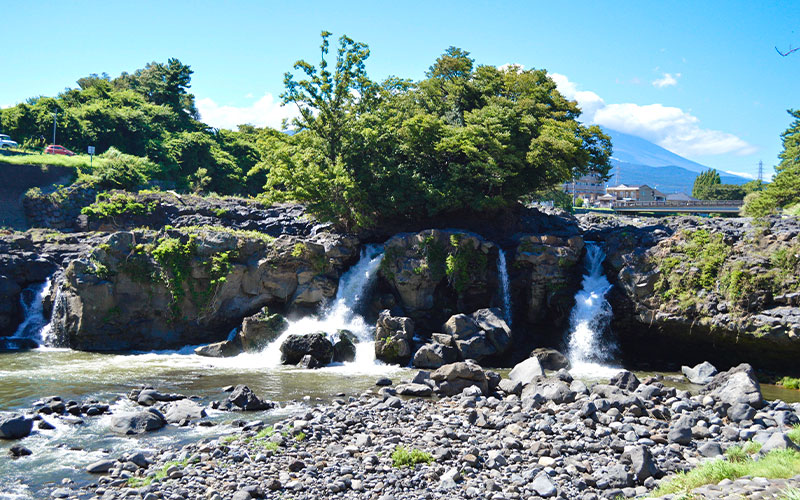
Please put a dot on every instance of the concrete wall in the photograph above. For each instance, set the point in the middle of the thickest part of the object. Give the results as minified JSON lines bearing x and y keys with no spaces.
{"x":15,"y":180}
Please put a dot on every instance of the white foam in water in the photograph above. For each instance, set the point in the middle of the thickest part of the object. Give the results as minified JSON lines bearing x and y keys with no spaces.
{"x":502,"y":268}
{"x":33,"y":322}
{"x":591,"y":352}
{"x":341,"y":314}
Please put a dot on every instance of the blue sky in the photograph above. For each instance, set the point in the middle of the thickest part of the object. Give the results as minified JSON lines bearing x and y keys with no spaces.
{"x":702,"y":79}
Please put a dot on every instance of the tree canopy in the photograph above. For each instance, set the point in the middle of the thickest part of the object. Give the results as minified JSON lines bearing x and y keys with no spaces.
{"x":468,"y":137}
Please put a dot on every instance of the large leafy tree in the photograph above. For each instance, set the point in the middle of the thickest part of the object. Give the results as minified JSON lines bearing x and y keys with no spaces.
{"x":704,"y":182}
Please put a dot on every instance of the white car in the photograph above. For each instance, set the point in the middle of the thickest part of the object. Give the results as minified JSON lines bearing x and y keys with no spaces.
{"x":6,"y":142}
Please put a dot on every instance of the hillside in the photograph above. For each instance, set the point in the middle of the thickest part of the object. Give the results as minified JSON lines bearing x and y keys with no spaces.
{"x":639,"y":161}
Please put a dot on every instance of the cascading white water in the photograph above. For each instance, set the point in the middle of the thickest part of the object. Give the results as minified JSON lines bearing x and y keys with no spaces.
{"x":590,"y":349}
{"x":342,"y":313}
{"x":34,"y":322}
{"x":502,"y":269}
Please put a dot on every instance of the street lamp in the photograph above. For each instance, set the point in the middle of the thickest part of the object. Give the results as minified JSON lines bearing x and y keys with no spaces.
{"x":55,"y":115}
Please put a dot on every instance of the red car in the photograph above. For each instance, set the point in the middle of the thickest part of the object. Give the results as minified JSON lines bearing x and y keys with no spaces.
{"x":58,"y":150}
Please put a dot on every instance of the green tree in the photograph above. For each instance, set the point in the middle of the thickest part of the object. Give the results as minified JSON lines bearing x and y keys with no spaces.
{"x":784,"y":190}
{"x":704,"y":182}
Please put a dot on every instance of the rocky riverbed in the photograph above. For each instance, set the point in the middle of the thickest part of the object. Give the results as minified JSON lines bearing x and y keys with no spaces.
{"x":525,"y":436}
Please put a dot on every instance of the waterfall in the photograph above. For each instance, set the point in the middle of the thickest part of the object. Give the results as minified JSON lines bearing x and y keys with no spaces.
{"x":33,"y":323}
{"x":502,"y":269}
{"x":590,"y":350}
{"x":342,"y":313}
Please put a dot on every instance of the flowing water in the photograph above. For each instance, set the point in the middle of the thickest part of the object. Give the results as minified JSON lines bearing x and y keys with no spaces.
{"x":34,"y":322}
{"x":63,"y":452}
{"x":502,"y":269}
{"x":591,"y":350}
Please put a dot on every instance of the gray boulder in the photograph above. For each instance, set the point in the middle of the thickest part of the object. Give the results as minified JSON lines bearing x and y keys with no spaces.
{"x":625,"y":380}
{"x":778,"y":441}
{"x":642,"y":464}
{"x":15,"y":427}
{"x":421,"y":390}
{"x":453,"y":378}
{"x":393,"y":337}
{"x":434,"y":355}
{"x":344,"y":349}
{"x":550,"y":359}
{"x":737,"y":385}
{"x":738,"y":412}
{"x":480,"y":335}
{"x":550,"y":389}
{"x":543,"y":485}
{"x":527,"y":371}
{"x":700,"y":374}
{"x":126,"y":424}
{"x":242,"y":398}
{"x":315,"y":344}
{"x":261,"y":329}
{"x":100,"y":467}
{"x":681,"y":431}
{"x":183,"y":410}
{"x":224,"y":349}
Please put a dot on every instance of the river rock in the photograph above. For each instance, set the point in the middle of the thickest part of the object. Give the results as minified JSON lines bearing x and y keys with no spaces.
{"x":315,"y":344}
{"x":344,"y":349}
{"x":242,"y":398}
{"x":393,"y":337}
{"x":642,"y":463}
{"x":421,"y":390}
{"x":543,"y":485}
{"x":480,"y":335}
{"x":680,"y":432}
{"x":132,"y":423}
{"x":261,"y":329}
{"x":778,"y":441}
{"x":625,"y":380}
{"x":100,"y":467}
{"x":526,"y":371}
{"x":183,"y":410}
{"x":737,"y":385}
{"x":700,"y":374}
{"x":453,"y":378}
{"x":551,"y":389}
{"x":434,"y":355}
{"x":18,"y":450}
{"x":224,"y":349}
{"x":15,"y":427}
{"x":550,"y":359}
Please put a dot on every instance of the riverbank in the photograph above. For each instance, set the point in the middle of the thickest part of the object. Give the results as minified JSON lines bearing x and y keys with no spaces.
{"x":620,"y":439}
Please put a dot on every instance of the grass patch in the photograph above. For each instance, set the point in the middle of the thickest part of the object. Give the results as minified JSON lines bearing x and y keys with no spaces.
{"x":790,"y":494}
{"x":116,"y":204}
{"x":403,"y":457}
{"x":239,"y":233}
{"x":794,"y":434}
{"x":790,"y":383}
{"x":776,"y":464}
{"x":77,"y":161}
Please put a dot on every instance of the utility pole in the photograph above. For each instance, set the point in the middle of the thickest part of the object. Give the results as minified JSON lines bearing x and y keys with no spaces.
{"x":55,"y":116}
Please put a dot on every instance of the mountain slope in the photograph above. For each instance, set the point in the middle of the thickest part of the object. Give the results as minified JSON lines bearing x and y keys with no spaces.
{"x":638,"y":161}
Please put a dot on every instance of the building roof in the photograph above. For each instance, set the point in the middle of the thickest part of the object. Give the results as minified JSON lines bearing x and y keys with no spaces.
{"x":606,"y":197}
{"x":680,"y":197}
{"x":621,"y":187}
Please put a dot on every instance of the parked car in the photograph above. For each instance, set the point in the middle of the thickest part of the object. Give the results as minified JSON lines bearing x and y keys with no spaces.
{"x":55,"y":149}
{"x":6,"y":142}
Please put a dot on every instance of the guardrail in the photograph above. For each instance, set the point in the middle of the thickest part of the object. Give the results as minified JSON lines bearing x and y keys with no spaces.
{"x":729,"y":206}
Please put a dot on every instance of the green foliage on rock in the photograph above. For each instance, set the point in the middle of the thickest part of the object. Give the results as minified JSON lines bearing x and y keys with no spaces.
{"x":465,"y":138}
{"x":116,"y":204}
{"x":464,"y":262}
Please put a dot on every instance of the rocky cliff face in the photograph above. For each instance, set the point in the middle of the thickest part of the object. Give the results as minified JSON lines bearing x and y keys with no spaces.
{"x":152,"y":290}
{"x":703,"y":288}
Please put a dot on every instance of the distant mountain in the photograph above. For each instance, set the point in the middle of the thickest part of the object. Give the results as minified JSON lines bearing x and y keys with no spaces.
{"x":638,"y":161}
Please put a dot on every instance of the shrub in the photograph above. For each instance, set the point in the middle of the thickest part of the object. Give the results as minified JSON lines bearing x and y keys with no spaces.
{"x":123,"y":171}
{"x":402,"y":457}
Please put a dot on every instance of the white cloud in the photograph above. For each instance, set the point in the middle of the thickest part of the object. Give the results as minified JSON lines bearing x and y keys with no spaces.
{"x":266,"y":111}
{"x":740,"y":174}
{"x":668,"y":80}
{"x":669,"y":127}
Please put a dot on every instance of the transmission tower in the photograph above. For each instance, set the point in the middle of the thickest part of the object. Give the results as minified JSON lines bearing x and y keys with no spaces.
{"x":760,"y":171}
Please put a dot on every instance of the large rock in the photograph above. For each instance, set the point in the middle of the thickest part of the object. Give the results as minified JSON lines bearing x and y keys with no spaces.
{"x":224,"y":349}
{"x":453,"y":378}
{"x":344,"y":349}
{"x":480,"y":335}
{"x":13,"y":344}
{"x":317,"y":345}
{"x":625,"y":380}
{"x":242,"y":398}
{"x":183,"y":410}
{"x":550,"y":359}
{"x":393,"y":337}
{"x":15,"y":427}
{"x":526,"y":371}
{"x":261,"y":329}
{"x":700,"y":374}
{"x":551,"y":389}
{"x":642,"y":463}
{"x":434,"y":355}
{"x":133,"y":423}
{"x":737,"y":385}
